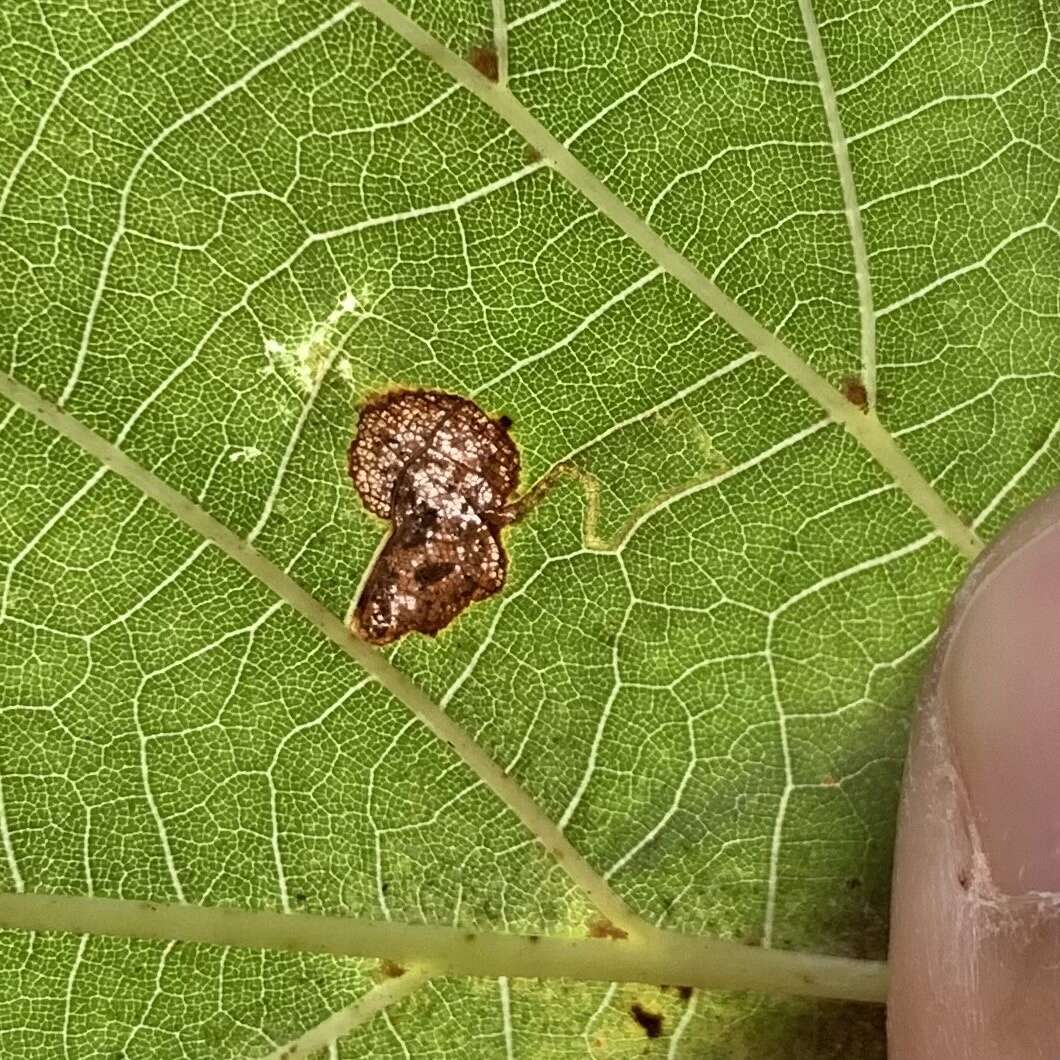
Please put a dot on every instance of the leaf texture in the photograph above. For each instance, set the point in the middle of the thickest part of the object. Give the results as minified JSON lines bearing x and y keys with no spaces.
{"x":224,"y":225}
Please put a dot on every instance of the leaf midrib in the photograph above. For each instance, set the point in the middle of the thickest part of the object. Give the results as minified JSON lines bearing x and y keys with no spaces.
{"x":668,"y":956}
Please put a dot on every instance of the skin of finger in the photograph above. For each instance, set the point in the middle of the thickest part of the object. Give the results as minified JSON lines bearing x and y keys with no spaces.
{"x":974,"y":973}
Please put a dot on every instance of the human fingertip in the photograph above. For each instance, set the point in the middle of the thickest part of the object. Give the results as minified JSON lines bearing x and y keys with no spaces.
{"x":975,"y":910}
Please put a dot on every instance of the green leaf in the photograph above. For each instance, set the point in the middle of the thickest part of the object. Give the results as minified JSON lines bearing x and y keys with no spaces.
{"x":667,"y":244}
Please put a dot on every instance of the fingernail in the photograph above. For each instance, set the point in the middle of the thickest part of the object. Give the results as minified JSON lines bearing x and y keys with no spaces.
{"x":1000,"y":683}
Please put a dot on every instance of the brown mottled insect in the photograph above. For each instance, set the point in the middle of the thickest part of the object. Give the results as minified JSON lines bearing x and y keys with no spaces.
{"x":441,"y":471}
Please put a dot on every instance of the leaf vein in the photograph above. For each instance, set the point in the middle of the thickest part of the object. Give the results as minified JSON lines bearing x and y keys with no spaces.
{"x":866,"y":428}
{"x":515,"y":797}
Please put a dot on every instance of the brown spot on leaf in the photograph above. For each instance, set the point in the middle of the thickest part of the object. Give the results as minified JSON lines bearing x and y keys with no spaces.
{"x":650,"y":1022}
{"x":391,"y":969}
{"x":483,"y":57}
{"x":602,"y":928}
{"x":853,"y":389}
{"x":531,"y":155}
{"x":441,"y":471}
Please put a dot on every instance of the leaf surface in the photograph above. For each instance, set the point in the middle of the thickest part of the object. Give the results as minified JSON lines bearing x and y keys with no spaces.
{"x":224,"y":225}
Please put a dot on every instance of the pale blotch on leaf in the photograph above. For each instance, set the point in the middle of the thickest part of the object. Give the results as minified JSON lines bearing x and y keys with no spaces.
{"x":344,"y":369}
{"x":246,"y":452}
{"x":441,"y":471}
{"x":308,"y":360}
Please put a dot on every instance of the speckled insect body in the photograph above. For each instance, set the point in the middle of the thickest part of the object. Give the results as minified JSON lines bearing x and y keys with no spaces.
{"x":441,"y":471}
